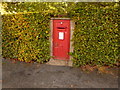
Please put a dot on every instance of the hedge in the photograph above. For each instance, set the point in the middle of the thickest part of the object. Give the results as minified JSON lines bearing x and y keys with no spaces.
{"x":96,"y":34}
{"x":95,"y":37}
{"x":26,"y":37}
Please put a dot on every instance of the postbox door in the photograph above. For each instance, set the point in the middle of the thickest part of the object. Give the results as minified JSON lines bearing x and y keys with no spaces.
{"x":61,"y":39}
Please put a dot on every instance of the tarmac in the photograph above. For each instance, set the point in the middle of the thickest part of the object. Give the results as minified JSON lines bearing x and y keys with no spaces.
{"x":34,"y":75}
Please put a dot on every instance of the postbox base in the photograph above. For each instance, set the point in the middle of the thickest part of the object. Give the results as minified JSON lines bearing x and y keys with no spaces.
{"x":60,"y":62}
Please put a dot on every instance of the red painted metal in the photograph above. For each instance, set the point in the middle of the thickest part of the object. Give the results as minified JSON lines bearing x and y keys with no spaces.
{"x":61,"y":39}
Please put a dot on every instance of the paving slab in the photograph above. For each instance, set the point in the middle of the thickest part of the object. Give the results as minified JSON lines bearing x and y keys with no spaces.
{"x":60,"y":62}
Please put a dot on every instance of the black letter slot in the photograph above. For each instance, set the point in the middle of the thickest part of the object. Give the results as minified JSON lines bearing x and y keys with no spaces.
{"x":61,"y":27}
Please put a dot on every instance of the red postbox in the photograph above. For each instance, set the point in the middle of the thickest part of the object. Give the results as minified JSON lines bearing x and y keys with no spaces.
{"x":61,"y":39}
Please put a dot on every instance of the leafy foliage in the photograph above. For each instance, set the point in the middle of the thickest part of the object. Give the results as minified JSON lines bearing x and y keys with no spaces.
{"x":26,"y":37}
{"x":96,"y":34}
{"x":44,"y":7}
{"x":95,"y":38}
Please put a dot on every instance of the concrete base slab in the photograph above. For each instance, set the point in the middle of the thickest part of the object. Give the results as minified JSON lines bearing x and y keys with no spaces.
{"x":59,"y":62}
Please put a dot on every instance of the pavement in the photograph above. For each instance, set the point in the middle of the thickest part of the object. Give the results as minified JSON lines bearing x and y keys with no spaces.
{"x":33,"y":75}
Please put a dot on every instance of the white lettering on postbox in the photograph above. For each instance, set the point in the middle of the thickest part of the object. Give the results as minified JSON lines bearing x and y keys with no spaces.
{"x":61,"y":35}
